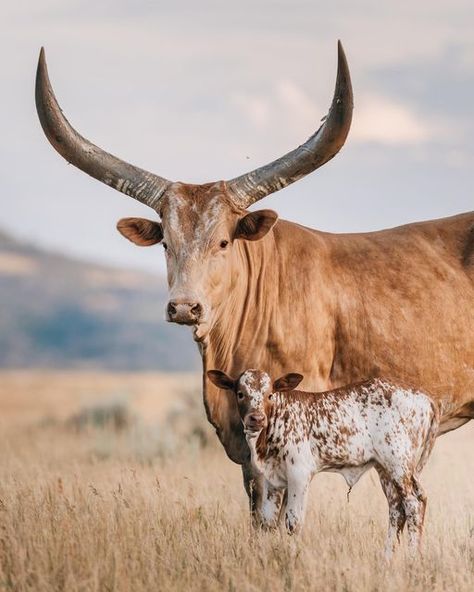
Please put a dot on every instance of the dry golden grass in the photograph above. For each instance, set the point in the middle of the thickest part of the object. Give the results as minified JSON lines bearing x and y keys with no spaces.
{"x":97,"y":509}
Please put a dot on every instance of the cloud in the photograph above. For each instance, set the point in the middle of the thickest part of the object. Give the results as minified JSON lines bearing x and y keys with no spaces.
{"x":298,"y":103}
{"x":377,"y":119}
{"x":285,"y":107}
{"x":254,"y":108}
{"x":385,"y":121}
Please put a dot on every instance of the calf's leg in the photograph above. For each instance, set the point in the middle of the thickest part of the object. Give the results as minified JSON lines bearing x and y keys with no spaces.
{"x":271,"y":505}
{"x":396,"y":512}
{"x":297,"y":494}
{"x":414,"y":503}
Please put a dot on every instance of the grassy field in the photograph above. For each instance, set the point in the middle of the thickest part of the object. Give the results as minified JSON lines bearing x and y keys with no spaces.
{"x":115,"y":482}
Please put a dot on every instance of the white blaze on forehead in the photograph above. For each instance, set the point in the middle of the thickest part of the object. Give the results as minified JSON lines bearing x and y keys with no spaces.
{"x":204,"y":222}
{"x":176,"y":205}
{"x":212,"y":214}
{"x":255,"y":384}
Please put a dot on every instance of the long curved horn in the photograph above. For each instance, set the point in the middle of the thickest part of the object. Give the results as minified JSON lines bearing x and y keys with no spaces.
{"x":316,"y":151}
{"x":131,"y":180}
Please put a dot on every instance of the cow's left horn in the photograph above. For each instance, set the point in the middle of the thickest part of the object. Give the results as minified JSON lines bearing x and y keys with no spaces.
{"x":131,"y":180}
{"x":321,"y":147}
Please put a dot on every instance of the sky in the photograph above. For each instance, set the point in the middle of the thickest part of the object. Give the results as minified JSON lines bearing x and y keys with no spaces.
{"x":201,"y":91}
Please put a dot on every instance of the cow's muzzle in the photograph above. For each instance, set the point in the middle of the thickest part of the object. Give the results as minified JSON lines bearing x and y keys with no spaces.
{"x":184,"y":313}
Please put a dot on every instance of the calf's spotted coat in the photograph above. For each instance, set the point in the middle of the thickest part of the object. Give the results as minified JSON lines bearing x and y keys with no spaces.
{"x":293,"y":435}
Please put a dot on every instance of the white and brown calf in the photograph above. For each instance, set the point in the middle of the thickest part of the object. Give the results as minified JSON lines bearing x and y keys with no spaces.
{"x":293,"y":435}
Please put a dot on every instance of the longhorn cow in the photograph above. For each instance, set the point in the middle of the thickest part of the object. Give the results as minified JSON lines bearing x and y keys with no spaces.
{"x":272,"y":294}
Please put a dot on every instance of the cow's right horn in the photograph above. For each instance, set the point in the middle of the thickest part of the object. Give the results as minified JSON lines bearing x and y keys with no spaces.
{"x":321,"y":147}
{"x":131,"y":180}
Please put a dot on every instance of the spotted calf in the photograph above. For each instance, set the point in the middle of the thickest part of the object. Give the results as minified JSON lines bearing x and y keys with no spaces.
{"x":293,"y":435}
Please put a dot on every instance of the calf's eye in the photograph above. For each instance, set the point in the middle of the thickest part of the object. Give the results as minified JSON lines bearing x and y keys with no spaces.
{"x":240,"y":395}
{"x":165,"y":246}
{"x":224,"y":243}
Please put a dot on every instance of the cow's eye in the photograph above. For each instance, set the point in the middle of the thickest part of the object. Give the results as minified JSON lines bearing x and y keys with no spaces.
{"x":224,"y":243}
{"x":240,"y":395}
{"x":165,"y":246}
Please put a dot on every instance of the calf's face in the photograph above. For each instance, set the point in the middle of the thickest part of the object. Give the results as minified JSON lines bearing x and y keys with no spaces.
{"x":253,"y":390}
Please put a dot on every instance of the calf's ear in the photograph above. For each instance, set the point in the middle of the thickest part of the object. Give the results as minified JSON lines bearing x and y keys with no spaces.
{"x":255,"y":225}
{"x":140,"y":231}
{"x":221,"y":380}
{"x":287,"y":383}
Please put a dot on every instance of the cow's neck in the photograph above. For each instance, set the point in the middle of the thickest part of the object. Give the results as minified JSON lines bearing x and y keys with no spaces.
{"x":239,"y":331}
{"x":251,"y":329}
{"x":241,"y":324}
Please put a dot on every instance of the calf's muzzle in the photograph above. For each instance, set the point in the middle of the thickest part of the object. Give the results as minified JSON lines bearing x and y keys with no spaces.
{"x":254,"y":421}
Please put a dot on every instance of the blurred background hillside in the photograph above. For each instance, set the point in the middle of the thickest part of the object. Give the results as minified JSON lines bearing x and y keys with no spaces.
{"x":59,"y":312}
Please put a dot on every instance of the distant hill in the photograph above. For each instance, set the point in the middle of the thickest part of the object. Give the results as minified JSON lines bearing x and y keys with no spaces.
{"x":59,"y":312}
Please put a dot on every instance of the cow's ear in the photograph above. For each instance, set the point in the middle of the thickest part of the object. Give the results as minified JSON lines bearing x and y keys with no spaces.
{"x":287,"y":383}
{"x":255,"y":225}
{"x":221,"y":380}
{"x":140,"y":231}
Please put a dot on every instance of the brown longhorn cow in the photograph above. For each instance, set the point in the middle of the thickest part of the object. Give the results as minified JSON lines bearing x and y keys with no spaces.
{"x":276,"y":295}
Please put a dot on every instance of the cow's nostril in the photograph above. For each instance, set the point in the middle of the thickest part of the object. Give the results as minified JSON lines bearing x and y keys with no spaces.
{"x":186,"y":313}
{"x":196,"y":310}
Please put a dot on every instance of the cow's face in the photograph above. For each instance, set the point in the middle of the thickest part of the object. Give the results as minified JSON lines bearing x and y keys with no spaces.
{"x":253,"y":391}
{"x":199,"y":229}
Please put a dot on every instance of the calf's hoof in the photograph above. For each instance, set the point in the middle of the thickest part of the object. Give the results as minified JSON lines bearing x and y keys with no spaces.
{"x":292,"y":524}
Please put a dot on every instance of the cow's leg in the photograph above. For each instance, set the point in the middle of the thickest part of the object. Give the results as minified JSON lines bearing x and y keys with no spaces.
{"x":271,"y":505}
{"x":414,"y":503}
{"x":297,"y":494}
{"x":396,"y":512}
{"x":253,"y":483}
